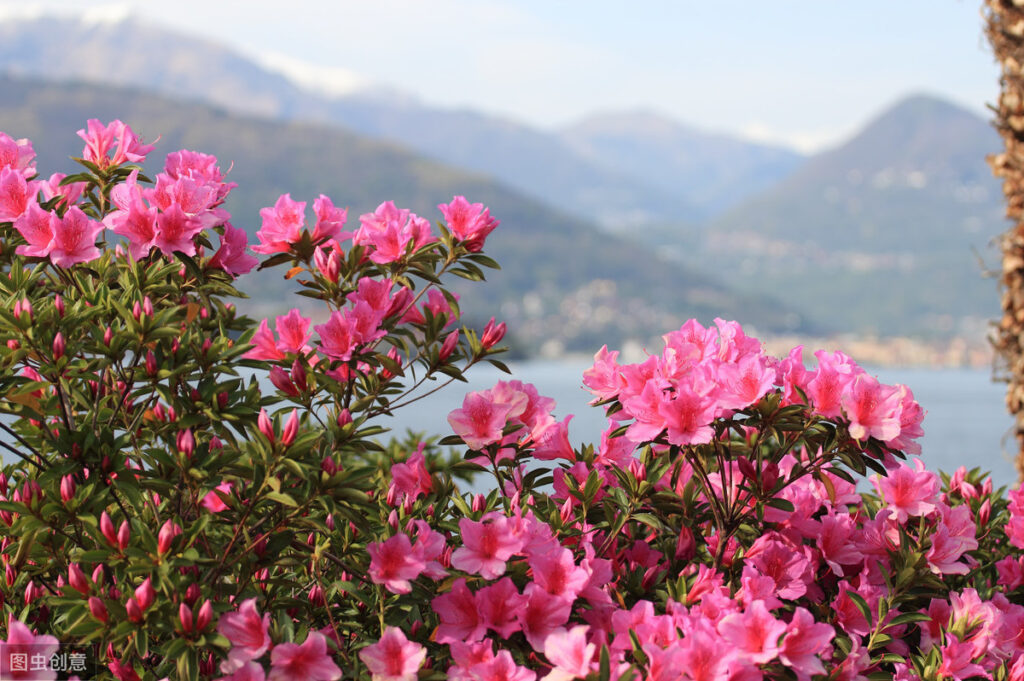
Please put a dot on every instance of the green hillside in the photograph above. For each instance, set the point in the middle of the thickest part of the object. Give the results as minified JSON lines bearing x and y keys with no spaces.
{"x":563,"y":283}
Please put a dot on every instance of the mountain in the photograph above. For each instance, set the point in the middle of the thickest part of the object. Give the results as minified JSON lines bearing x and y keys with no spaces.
{"x":564,"y":285}
{"x":711,"y":172}
{"x":885,"y":230}
{"x":128,"y":52}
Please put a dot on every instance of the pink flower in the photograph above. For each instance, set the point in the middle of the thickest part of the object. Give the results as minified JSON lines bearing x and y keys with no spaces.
{"x":37,"y":226}
{"x":755,"y":633}
{"x":264,"y":344}
{"x":231,"y":256}
{"x":250,"y":671}
{"x":212,"y":501}
{"x":543,"y":615}
{"x":248,"y":632}
{"x":293,"y":332}
{"x":459,"y":615}
{"x":498,"y":605}
{"x":805,"y":641}
{"x":873,"y":409}
{"x":282,"y":225}
{"x":309,"y":661}
{"x":570,"y":654}
{"x":486,"y":547}
{"x":329,"y":220}
{"x":175,"y":231}
{"x":909,"y":492}
{"x":391,"y":232}
{"x":603,"y":379}
{"x":830,"y":382}
{"x":116,"y":137}
{"x":16,"y":194}
{"x":393,"y":563}
{"x":480,"y":420}
{"x":556,"y":572}
{"x":393,"y":657}
{"x":956,"y":660}
{"x":468,"y":222}
{"x":17,"y":155}
{"x":74,"y":239}
{"x":21,"y":641}
{"x":411,"y":477}
{"x":501,"y":667}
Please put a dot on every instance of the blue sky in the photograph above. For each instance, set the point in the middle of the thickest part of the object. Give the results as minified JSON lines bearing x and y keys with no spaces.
{"x":804,"y":73}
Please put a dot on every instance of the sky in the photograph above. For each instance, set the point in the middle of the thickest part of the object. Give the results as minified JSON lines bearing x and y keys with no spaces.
{"x":801,"y":73}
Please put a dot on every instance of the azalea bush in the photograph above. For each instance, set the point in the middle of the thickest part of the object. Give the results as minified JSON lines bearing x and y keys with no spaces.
{"x":190,"y":494}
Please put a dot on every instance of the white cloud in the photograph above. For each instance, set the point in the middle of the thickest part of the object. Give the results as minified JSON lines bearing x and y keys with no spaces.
{"x":804,"y":141}
{"x":332,"y":81}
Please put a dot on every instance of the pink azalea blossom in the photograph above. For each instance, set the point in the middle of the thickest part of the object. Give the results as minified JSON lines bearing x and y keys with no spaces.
{"x":74,"y":239}
{"x":487,"y":545}
{"x":480,"y":421}
{"x":909,"y":491}
{"x":805,"y":641}
{"x":112,"y":144}
{"x":212,"y":501}
{"x":250,"y":671}
{"x":16,"y":194}
{"x":459,"y":614}
{"x":231,"y":256}
{"x":37,"y":226}
{"x":393,"y":657}
{"x":570,"y":653}
{"x":282,"y":225}
{"x":329,"y":220}
{"x":411,"y":478}
{"x":393,"y":563}
{"x":21,"y":641}
{"x":309,"y":661}
{"x":498,"y":605}
{"x":248,"y":633}
{"x":338,"y":337}
{"x":264,"y":345}
{"x":755,"y":633}
{"x":543,"y":615}
{"x":292,"y":332}
{"x":873,"y":409}
{"x":17,"y":155}
{"x":175,"y":231}
{"x":468,"y":222}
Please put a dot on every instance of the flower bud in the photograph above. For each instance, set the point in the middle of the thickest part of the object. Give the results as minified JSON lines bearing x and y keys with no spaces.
{"x":145,"y":594}
{"x":134,"y":610}
{"x":984,"y":512}
{"x":97,"y":609}
{"x":329,"y":522}
{"x":107,"y":529}
{"x":9,"y":575}
{"x":479,"y":503}
{"x":98,"y":575}
{"x":186,"y":443}
{"x":58,"y":304}
{"x":291,"y":429}
{"x":316,"y":596}
{"x":222,"y":400}
{"x":167,"y":533}
{"x":298,"y":375}
{"x":185,"y":617}
{"x":328,"y":466}
{"x":448,"y":346}
{"x":204,"y":616}
{"x":265,"y":426}
{"x":108,"y":335}
{"x":279,"y":377}
{"x":12,"y":344}
{"x":136,"y":311}
{"x":686,"y":545}
{"x":77,"y":580}
{"x":58,"y":345}
{"x":147,"y":307}
{"x":67,"y":488}
{"x":150,"y":363}
{"x":124,"y":533}
{"x":192,"y":593}
{"x":492,"y":334}
{"x":344,"y":418}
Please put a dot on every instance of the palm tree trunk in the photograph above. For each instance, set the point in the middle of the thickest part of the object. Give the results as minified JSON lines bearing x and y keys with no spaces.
{"x":1005,"y":30}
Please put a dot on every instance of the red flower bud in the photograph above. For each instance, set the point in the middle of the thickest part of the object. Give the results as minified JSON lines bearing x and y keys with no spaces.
{"x":134,"y":611}
{"x":344,"y":418}
{"x":58,"y":345}
{"x":984,"y":512}
{"x":185,"y":617}
{"x":448,"y":347}
{"x":58,"y":303}
{"x":124,"y":533}
{"x":479,"y":503}
{"x":77,"y":580}
{"x":186,"y":443}
{"x":108,"y":335}
{"x":150,"y":363}
{"x":192,"y":593}
{"x":265,"y":426}
{"x":98,"y":574}
{"x":204,"y":616}
{"x":279,"y":377}
{"x":291,"y":429}
{"x":145,"y":594}
{"x":67,"y":488}
{"x":166,"y":535}
{"x":298,"y":375}
{"x":222,"y":400}
{"x":492,"y":334}
{"x":137,"y":311}
{"x":9,"y":575}
{"x":97,"y":609}
{"x":107,"y":529}
{"x":147,"y":307}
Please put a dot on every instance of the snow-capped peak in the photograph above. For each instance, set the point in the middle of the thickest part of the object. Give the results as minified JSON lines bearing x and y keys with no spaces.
{"x":332,"y":81}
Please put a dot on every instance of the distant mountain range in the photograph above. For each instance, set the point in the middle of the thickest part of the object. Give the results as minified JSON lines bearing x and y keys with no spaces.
{"x":564,"y":285}
{"x":881,"y":235}
{"x":583,"y":170}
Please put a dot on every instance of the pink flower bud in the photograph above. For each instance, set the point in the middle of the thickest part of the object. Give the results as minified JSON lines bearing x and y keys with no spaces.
{"x":172,"y":415}
{"x":329,"y":521}
{"x":279,"y":377}
{"x":291,"y":429}
{"x":107,"y":529}
{"x":98,"y":575}
{"x":185,"y":617}
{"x":298,"y":375}
{"x":58,"y":303}
{"x":108,"y":335}
{"x":387,"y":374}
{"x":204,"y":616}
{"x":97,"y":609}
{"x":166,"y":535}
{"x":686,"y":545}
{"x":492,"y":334}
{"x":150,"y":363}
{"x":175,"y":346}
{"x":12,"y":344}
{"x":77,"y":580}
{"x":186,"y":443}
{"x":393,"y":520}
{"x":207,"y":344}
{"x":479,"y":503}
{"x":137,"y":311}
{"x":134,"y":610}
{"x":192,"y":593}
{"x":58,"y":345}
{"x":265,"y":426}
{"x":26,"y":307}
{"x":984,"y":512}
{"x":328,"y":466}
{"x":147,"y":307}
{"x":344,"y":418}
{"x":448,"y":347}
{"x":67,"y":488}
{"x":565,"y":513}
{"x":204,"y":313}
{"x":316,"y":596}
{"x":124,"y":533}
{"x":222,"y":400}
{"x":9,"y":575}
{"x":32,"y":592}
{"x":17,"y":310}
{"x":145,"y":594}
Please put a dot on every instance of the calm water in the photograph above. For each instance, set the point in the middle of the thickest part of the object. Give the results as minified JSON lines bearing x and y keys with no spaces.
{"x":966,"y":423}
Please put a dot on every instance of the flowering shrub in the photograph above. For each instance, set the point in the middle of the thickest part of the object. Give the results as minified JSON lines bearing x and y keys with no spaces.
{"x":160,"y":509}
